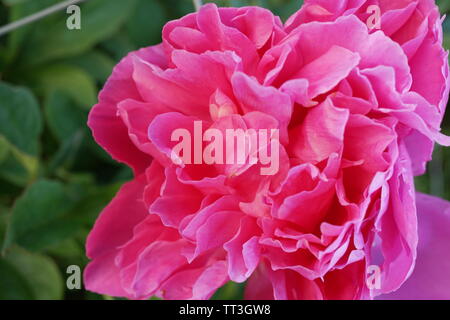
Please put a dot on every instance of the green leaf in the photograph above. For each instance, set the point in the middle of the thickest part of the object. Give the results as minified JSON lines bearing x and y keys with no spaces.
{"x":13,"y":2}
{"x":13,"y":285}
{"x":69,"y":252}
{"x":4,"y":149}
{"x":66,"y":155}
{"x":3,"y":223}
{"x":29,"y":276}
{"x":63,"y":116}
{"x":447,"y":41}
{"x":119,"y":45}
{"x":67,"y":122}
{"x":142,"y":30}
{"x":239,"y":3}
{"x":285,"y":9}
{"x":230,"y":291}
{"x":179,"y":8}
{"x":39,"y":218}
{"x":8,"y":192}
{"x":20,"y":128}
{"x":94,"y":202}
{"x":19,"y":168}
{"x":96,"y":63}
{"x":20,"y":119}
{"x":422,"y":183}
{"x":99,"y":20}
{"x":444,"y":5}
{"x":66,"y":78}
{"x":20,"y":9}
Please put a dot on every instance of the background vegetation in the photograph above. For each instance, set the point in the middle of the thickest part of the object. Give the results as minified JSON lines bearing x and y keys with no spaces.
{"x":54,"y":180}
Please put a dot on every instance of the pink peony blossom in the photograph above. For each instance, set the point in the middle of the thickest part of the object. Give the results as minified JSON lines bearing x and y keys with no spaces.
{"x":358,"y":111}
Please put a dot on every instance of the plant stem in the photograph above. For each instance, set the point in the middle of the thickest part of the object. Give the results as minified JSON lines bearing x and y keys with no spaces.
{"x":37,"y":16}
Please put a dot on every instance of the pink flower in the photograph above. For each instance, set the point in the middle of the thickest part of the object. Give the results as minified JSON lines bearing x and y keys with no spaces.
{"x":357,"y":110}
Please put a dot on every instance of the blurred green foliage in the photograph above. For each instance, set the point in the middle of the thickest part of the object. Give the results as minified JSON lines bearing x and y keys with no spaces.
{"x":54,"y":179}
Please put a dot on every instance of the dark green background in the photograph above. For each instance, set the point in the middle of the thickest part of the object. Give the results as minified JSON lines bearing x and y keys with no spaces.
{"x":54,"y":180}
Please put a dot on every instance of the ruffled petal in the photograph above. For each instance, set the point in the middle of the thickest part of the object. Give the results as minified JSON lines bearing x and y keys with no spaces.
{"x":429,"y":280}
